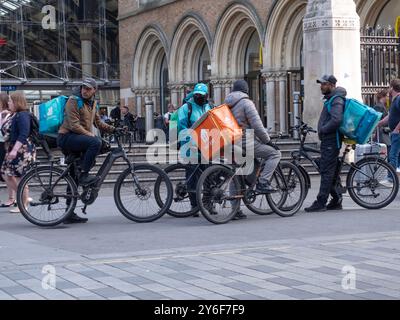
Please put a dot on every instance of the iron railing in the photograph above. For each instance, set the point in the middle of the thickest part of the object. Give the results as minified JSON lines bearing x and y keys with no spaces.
{"x":380,"y":60}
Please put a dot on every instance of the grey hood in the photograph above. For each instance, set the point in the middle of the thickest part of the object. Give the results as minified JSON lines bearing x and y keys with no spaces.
{"x":234,"y":97}
{"x":246,"y":114}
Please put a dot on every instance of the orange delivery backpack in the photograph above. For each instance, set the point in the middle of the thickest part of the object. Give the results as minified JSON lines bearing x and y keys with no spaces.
{"x":215,"y":130}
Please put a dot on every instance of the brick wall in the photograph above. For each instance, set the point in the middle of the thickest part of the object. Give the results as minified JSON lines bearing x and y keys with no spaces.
{"x":168,"y":16}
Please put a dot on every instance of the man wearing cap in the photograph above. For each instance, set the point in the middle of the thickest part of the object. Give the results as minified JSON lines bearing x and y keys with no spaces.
{"x":195,"y":106}
{"x":331,"y":141}
{"x":76,"y":134}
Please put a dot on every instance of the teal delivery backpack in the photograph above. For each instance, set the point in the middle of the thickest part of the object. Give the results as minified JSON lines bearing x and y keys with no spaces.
{"x":359,"y":120}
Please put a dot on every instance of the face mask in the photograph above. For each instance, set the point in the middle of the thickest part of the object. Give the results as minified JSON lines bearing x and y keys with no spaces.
{"x":200,"y":100}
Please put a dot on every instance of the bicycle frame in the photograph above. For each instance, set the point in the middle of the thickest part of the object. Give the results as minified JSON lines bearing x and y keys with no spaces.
{"x":304,"y":153}
{"x":105,"y":168}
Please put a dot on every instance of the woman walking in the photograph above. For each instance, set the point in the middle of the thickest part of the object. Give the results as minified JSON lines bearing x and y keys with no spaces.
{"x":21,"y":151}
{"x":5,"y":122}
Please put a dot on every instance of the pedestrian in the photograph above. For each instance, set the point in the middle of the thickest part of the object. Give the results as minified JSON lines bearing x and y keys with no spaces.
{"x":331,"y":141}
{"x":115,"y":115}
{"x":129,"y":120}
{"x":159,"y":121}
{"x":167,"y":119}
{"x":393,"y":120}
{"x":21,"y":151}
{"x":103,"y":115}
{"x":383,"y":132}
{"x":5,"y":122}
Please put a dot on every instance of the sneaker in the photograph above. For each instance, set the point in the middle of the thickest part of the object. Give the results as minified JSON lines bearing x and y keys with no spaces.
{"x":74,"y":218}
{"x":386,"y":183}
{"x":335,"y":204}
{"x":265,"y":188}
{"x":316,"y":207}
{"x":86,"y":179}
{"x":239,"y":216}
{"x":15,"y":210}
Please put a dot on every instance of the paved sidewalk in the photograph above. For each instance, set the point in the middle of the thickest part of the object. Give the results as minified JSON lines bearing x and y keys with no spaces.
{"x":290,"y":269}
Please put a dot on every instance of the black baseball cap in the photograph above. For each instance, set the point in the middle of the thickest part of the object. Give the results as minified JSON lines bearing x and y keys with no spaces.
{"x":327,"y":78}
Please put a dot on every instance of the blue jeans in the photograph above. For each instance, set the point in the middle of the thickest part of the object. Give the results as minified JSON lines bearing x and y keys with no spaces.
{"x":77,"y":143}
{"x":394,"y":150}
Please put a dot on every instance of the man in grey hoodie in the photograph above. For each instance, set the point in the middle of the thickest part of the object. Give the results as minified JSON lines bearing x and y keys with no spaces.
{"x":331,"y":142}
{"x":246,"y":114}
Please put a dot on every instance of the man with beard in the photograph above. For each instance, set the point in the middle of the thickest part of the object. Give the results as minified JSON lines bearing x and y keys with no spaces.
{"x":76,"y":134}
{"x":331,"y":141}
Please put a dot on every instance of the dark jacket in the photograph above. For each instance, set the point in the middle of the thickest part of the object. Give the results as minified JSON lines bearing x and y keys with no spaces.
{"x":20,"y":127}
{"x":329,"y":122}
{"x":129,"y":121}
{"x":79,"y":120}
{"x":383,"y":133}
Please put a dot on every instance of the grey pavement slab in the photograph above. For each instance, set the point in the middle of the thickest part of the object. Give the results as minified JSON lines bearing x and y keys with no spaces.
{"x":260,"y":258}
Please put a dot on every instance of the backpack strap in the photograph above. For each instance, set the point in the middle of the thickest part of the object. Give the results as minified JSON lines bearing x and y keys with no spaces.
{"x":237,"y":102}
{"x":328,"y":105}
{"x":190,"y":111}
{"x":79,"y":101}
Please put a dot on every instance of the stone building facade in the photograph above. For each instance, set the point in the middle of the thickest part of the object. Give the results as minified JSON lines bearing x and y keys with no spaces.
{"x":168,"y":45}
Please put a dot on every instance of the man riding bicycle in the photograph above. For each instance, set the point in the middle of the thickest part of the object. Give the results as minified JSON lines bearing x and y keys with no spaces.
{"x":246,"y":114}
{"x":195,"y":106}
{"x":76,"y":134}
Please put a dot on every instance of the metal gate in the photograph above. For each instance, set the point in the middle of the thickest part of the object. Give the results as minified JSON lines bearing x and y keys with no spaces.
{"x":380,"y":60}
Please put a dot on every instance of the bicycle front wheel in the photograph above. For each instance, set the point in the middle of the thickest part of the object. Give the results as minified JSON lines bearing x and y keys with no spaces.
{"x":219,"y":194}
{"x":136,"y":193}
{"x":373,"y":183}
{"x":53,"y":197}
{"x":291,"y":190}
{"x":181,"y":206}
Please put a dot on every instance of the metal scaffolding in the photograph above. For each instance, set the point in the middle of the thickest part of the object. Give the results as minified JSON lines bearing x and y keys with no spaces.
{"x":82,"y":41}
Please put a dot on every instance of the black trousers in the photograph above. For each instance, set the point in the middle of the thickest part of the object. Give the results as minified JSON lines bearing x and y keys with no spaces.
{"x":329,"y":167}
{"x":193,"y":173}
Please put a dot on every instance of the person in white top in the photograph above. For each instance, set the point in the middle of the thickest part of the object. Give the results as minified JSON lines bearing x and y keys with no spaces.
{"x":167,"y":117}
{"x":5,"y":115}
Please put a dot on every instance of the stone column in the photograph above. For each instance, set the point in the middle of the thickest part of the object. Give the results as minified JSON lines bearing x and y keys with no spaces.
{"x":270,"y":90}
{"x":217,"y":86}
{"x":86,"y":34}
{"x":228,"y":87}
{"x":138,"y":103}
{"x":175,"y":92}
{"x":282,"y":103}
{"x":331,"y":46}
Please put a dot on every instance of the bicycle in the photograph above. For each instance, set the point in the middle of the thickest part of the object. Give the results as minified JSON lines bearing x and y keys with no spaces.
{"x":181,"y":206}
{"x":364,"y":178}
{"x":222,"y":187}
{"x":55,"y":193}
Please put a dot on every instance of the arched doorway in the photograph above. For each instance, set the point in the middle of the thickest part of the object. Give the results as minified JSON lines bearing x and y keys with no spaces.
{"x":253,"y":76}
{"x":150,"y":66}
{"x":189,"y":57}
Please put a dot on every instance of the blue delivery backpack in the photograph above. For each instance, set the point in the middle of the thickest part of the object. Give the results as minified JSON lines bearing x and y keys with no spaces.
{"x":359,"y":120}
{"x":51,"y":114}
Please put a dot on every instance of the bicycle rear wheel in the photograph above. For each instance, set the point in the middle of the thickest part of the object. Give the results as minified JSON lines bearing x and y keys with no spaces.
{"x":136,"y":193}
{"x":218,"y":194}
{"x":291,"y":190}
{"x":373,"y":184}
{"x":180,"y":207}
{"x":54,"y":196}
